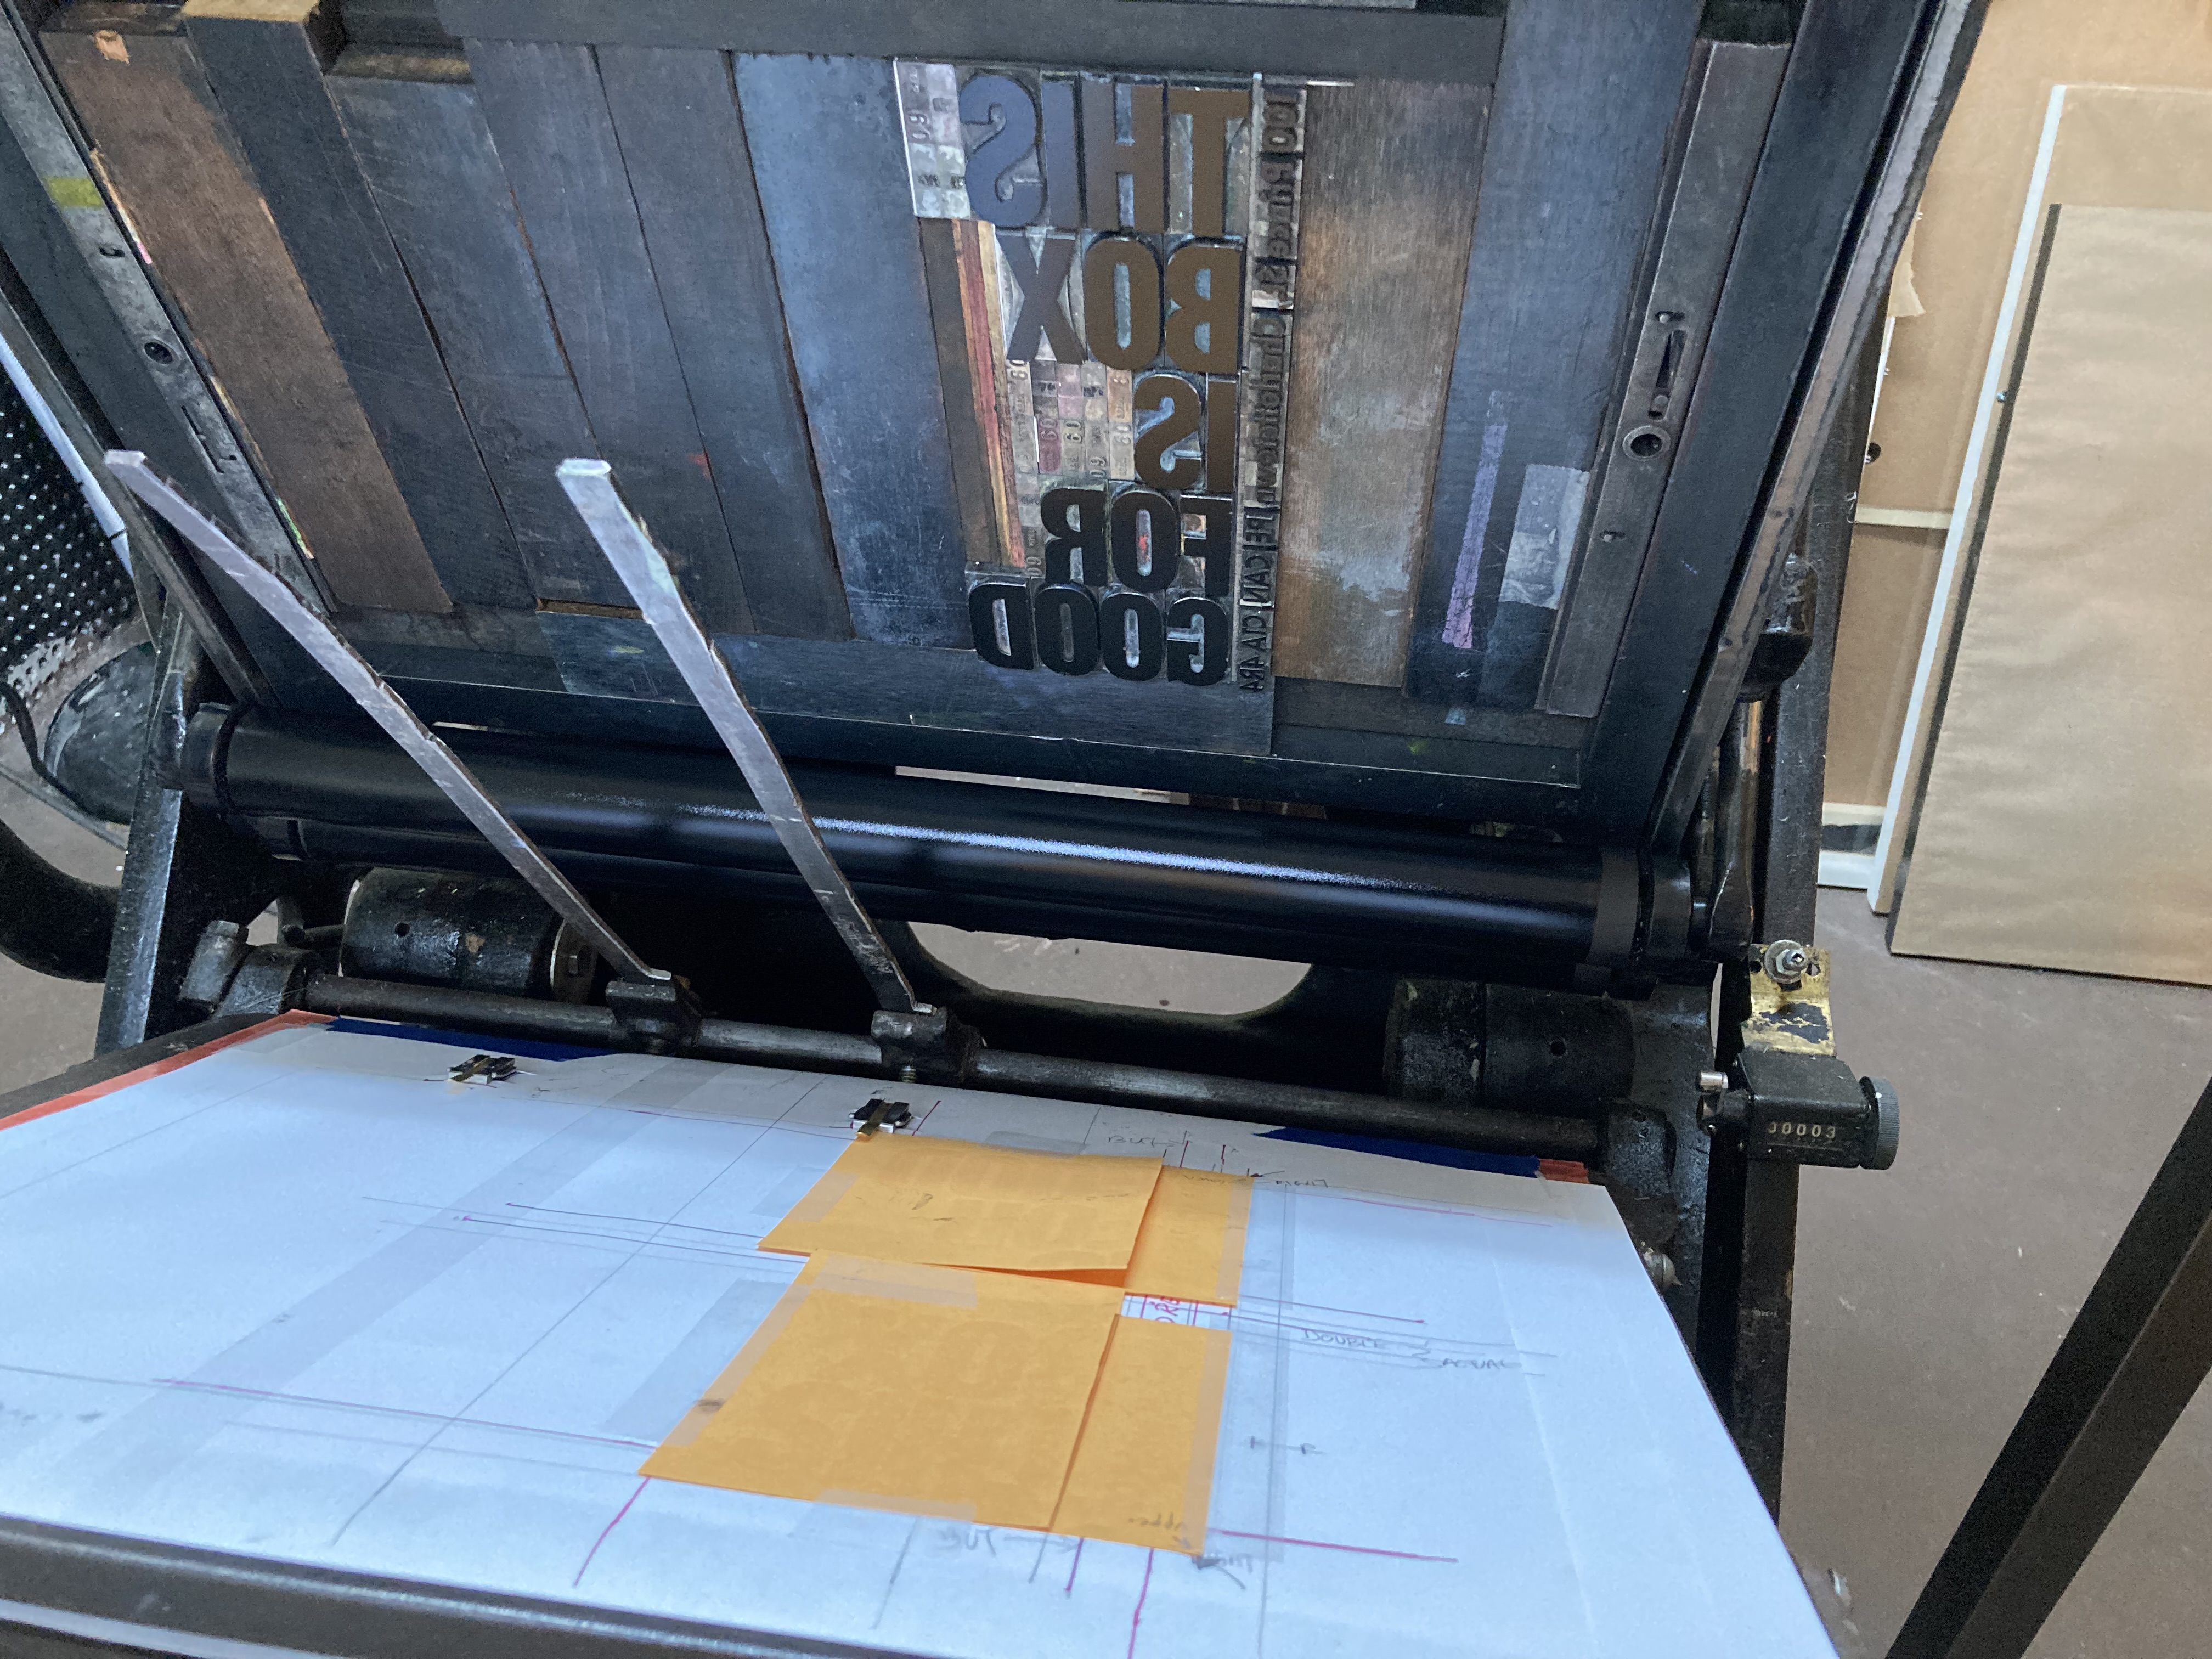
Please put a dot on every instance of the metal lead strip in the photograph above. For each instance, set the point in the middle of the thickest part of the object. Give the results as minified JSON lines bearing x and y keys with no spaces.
{"x":643,"y":567}
{"x":384,"y":705}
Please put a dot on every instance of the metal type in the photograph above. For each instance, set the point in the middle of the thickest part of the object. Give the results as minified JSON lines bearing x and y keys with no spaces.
{"x":1001,"y":1071}
{"x":1038,"y":278}
{"x":2137,"y":1353}
{"x":1736,"y":86}
{"x":1016,"y":860}
{"x":1141,"y":158}
{"x":643,"y":567}
{"x":1110,"y":263}
{"x":1933,"y":76}
{"x":382,"y":704}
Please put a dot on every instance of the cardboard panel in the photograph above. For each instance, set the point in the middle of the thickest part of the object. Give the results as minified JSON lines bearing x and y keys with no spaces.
{"x":1961,"y":245}
{"x":1891,"y":581}
{"x":2063,"y":826}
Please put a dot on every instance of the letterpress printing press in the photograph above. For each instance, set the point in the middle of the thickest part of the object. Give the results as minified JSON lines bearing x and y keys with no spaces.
{"x":640,"y":507}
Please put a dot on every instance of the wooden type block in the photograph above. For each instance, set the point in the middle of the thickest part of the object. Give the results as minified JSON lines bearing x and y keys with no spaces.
{"x":1375,"y":306}
{"x":265,"y":59}
{"x":549,"y":118}
{"x":175,"y":168}
{"x":968,"y":401}
{"x":830,"y":164}
{"x":428,"y":157}
{"x":1586,"y":94}
{"x":691,"y":172}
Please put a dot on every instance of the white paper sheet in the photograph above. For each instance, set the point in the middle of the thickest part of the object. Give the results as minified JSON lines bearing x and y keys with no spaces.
{"x":306,"y":1299}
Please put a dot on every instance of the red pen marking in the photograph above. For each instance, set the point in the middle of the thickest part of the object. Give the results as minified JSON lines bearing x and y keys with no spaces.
{"x":1072,"y":1566}
{"x":161,"y":1067}
{"x":603,"y":1531}
{"x":1145,"y":1590}
{"x":1317,"y":1544}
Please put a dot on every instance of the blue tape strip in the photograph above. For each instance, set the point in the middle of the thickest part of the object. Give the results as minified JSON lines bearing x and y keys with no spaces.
{"x":1415,"y":1150}
{"x":522,"y":1048}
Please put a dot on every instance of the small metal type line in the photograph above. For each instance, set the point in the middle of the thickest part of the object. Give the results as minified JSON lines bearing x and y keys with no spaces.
{"x":366,"y":687}
{"x":643,"y":567}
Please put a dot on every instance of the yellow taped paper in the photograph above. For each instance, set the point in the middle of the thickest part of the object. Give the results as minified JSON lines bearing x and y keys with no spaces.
{"x":1142,"y":1472}
{"x":1192,"y":1243}
{"x":956,"y":1204}
{"x":890,"y":1385}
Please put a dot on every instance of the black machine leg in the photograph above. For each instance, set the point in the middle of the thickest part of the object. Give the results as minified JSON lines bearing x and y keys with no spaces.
{"x":2137,"y":1351}
{"x":184,"y":868}
{"x":1750,"y":1220}
{"x":1743,"y":1335}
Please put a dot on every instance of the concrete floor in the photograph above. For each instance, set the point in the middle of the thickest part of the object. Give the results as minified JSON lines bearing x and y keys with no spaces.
{"x":2037,"y":1106}
{"x":1929,"y":1298}
{"x":47,"y":1023}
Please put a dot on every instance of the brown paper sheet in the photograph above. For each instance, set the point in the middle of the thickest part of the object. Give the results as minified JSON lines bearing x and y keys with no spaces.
{"x":890,"y":1385}
{"x":954,"y":1203}
{"x":2063,"y":821}
{"x":1142,"y":1472}
{"x":1192,"y":1244}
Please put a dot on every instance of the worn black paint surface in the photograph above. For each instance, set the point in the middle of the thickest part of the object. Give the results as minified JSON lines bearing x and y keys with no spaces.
{"x":831,"y":163}
{"x":549,"y":118}
{"x":690,"y":169}
{"x":428,"y":157}
{"x":269,"y":78}
{"x":1586,"y":94}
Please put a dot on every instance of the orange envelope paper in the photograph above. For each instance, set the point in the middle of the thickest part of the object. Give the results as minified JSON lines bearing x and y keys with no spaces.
{"x":1143,"y":1469}
{"x":1192,"y":1243}
{"x":889,"y":1385}
{"x":954,"y":1203}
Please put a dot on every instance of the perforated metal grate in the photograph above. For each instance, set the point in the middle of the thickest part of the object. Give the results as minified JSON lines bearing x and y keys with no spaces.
{"x":58,"y":576}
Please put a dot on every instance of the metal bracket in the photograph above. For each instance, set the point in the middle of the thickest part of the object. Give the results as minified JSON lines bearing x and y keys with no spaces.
{"x":659,"y":1017}
{"x":643,"y":567}
{"x":924,"y":1043}
{"x":880,"y":1113}
{"x":382,"y":704}
{"x":1793,"y":1100}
